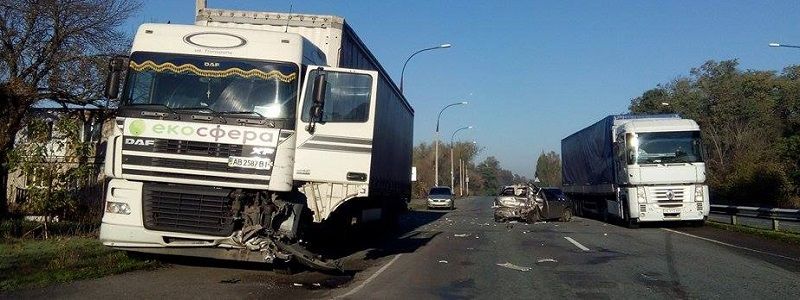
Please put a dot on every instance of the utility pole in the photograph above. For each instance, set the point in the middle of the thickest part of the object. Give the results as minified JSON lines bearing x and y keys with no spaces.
{"x":460,"y":177}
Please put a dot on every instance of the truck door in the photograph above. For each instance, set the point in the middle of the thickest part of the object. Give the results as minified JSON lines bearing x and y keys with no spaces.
{"x":334,"y":136}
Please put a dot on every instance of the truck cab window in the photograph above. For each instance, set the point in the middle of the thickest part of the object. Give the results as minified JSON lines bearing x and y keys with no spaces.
{"x":346,"y":99}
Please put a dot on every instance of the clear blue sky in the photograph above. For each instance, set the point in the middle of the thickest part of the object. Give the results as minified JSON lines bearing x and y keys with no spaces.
{"x":536,"y":71}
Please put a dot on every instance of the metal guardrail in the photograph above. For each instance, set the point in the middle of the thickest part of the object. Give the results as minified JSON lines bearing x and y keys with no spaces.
{"x":774,"y":214}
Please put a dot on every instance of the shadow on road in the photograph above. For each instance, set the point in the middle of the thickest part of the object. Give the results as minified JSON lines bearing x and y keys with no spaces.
{"x":380,"y":241}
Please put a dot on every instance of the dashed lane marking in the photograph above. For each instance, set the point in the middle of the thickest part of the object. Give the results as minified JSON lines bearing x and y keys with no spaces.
{"x":574,"y":242}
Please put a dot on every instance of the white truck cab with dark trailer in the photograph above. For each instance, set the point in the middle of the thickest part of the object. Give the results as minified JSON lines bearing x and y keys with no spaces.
{"x":240,"y":134}
{"x":637,"y":168}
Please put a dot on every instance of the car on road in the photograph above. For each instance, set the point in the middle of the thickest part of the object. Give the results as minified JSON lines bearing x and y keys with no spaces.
{"x":556,"y":205}
{"x":531,"y":203}
{"x":441,"y":197}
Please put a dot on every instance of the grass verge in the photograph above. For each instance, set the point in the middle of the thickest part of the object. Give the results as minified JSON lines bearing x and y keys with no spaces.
{"x":786,"y":236}
{"x":37,"y":263}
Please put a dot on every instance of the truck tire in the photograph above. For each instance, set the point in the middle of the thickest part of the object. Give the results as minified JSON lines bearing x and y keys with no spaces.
{"x":629,"y":222}
{"x":602,"y":210}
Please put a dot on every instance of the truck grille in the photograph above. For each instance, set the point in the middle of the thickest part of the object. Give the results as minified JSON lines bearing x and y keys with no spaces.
{"x":197,"y":148}
{"x":187,"y":209}
{"x":169,"y":160}
{"x":669,"y":195}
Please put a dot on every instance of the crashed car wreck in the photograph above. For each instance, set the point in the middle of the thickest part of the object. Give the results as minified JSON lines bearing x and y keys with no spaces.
{"x":515,"y":202}
{"x":530,"y":203}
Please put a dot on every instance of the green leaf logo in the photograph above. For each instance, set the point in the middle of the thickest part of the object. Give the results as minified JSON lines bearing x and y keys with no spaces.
{"x":137,"y":127}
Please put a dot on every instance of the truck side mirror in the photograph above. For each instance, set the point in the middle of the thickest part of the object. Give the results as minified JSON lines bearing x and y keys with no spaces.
{"x":115,"y":67}
{"x":320,"y":88}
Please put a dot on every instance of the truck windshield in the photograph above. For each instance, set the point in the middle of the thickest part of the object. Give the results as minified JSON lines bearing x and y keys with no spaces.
{"x":665,"y":147}
{"x":212,"y":83}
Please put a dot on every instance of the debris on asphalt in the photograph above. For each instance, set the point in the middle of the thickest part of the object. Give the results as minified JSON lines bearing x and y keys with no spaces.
{"x":232,"y":280}
{"x":605,"y":234}
{"x":513,"y":222}
{"x":470,"y":248}
{"x":477,"y":237}
{"x":461,"y":235}
{"x":443,"y":261}
{"x":297,"y":284}
{"x":543,"y":260}
{"x":515,"y":267}
{"x":317,"y":285}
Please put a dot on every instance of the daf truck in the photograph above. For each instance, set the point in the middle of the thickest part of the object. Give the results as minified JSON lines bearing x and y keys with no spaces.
{"x":240,"y":135}
{"x":637,"y":168}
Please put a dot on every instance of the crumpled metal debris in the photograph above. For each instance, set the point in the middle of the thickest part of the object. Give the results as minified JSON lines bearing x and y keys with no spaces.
{"x":543,"y":260}
{"x":297,"y":284}
{"x":515,"y":267}
{"x":443,"y":261}
{"x":461,"y":235}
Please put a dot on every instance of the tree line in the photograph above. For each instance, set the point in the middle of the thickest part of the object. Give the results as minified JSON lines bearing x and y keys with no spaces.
{"x":750,"y":121}
{"x":56,"y":51}
{"x":485,"y":177}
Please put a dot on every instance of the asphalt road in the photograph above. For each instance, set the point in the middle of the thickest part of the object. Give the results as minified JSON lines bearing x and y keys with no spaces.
{"x":464,"y":254}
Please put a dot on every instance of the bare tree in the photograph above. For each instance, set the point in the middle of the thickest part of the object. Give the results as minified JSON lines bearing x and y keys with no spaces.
{"x":54,"y":50}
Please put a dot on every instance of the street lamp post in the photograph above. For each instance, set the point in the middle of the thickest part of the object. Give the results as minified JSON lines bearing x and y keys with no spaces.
{"x":783,"y":45}
{"x":452,"y":170}
{"x":461,"y":174}
{"x":436,"y":154}
{"x":403,"y":72}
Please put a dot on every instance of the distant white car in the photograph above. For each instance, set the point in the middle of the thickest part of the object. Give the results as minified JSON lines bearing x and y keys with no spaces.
{"x":441,"y":197}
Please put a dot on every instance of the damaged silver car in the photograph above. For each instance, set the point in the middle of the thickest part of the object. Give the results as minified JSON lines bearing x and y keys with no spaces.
{"x":530,"y":203}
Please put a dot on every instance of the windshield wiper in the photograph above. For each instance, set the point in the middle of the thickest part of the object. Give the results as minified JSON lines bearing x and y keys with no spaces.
{"x":167,"y":108}
{"x":243,"y":113}
{"x":203,"y":108}
{"x":199,"y":108}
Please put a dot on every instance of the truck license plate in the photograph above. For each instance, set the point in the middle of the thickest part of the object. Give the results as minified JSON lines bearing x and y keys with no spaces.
{"x":249,"y":162}
{"x":673,"y":210}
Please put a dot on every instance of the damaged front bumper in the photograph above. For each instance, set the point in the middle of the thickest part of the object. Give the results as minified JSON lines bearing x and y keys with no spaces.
{"x":258,"y":249}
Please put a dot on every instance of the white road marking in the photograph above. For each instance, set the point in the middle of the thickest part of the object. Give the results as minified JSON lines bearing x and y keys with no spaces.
{"x":363,"y":284}
{"x":574,"y":242}
{"x":731,"y":245}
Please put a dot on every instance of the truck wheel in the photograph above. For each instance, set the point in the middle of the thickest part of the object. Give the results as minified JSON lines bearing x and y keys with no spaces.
{"x":603,"y":212}
{"x":566,"y":215}
{"x":631,"y":223}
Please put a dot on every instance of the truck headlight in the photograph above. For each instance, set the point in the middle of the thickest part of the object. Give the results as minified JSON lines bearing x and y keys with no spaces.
{"x":698,"y":193}
{"x":641,"y":194}
{"x":118,"y":208}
